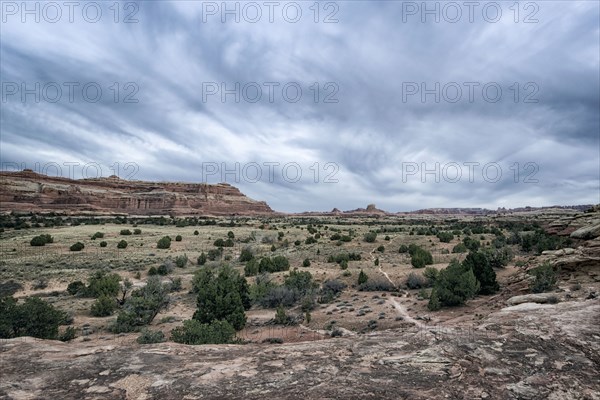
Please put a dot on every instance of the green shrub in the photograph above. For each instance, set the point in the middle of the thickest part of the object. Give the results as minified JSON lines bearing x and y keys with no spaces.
{"x":431,"y":274}
{"x":77,"y":247}
{"x":454,"y":285}
{"x":76,"y":288}
{"x":252,"y":268}
{"x":330,"y":290}
{"x":471,"y":244}
{"x":103,"y":244}
{"x":152,"y":271}
{"x":310,"y":240}
{"x":421,"y":257}
{"x":300,"y":280}
{"x":164,"y":269}
{"x":67,"y":335}
{"x":97,"y":235}
{"x":306,"y":263}
{"x":434,"y":301}
{"x":34,"y":318}
{"x":445,"y":237}
{"x":246,"y":254}
{"x":275,"y":264}
{"x":202,"y":259}
{"x":545,"y":278}
{"x":221,"y":296}
{"x":484,"y":273}
{"x":403,"y":249}
{"x":101,"y":283}
{"x":362,"y":277}
{"x":41,"y":240}
{"x":280,"y":295}
{"x":460,"y":248}
{"x":194,"y":332}
{"x":125,"y":232}
{"x":137,"y":231}
{"x":122,"y":244}
{"x":103,"y":306}
{"x":498,"y":257}
{"x":181,"y":261}
{"x":213,"y":254}
{"x":281,"y":317}
{"x":370,"y":237}
{"x":164,"y":243}
{"x":381,"y":249}
{"x":260,"y":290}
{"x":142,"y":306}
{"x":148,"y":337}
{"x":175,"y":285}
{"x":196,"y":233}
{"x":415,"y":281}
{"x":339,"y":258}
{"x":378,"y":284}
{"x":178,"y":238}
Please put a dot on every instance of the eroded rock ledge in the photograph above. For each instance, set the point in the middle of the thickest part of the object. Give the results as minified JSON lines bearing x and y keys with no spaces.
{"x":29,"y":191}
{"x":531,"y":351}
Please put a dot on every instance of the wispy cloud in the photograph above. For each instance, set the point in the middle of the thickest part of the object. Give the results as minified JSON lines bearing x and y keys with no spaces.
{"x":358,"y":109}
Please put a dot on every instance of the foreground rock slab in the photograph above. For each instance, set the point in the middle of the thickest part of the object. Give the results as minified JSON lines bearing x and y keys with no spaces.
{"x":541,"y":351}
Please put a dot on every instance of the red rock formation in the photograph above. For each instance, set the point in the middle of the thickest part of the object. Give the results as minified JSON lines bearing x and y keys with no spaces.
{"x":29,"y":191}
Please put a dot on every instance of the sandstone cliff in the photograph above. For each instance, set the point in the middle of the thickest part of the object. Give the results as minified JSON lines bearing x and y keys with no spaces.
{"x":29,"y":191}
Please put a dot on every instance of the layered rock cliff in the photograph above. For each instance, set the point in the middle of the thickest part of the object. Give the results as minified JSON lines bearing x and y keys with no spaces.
{"x":29,"y":191}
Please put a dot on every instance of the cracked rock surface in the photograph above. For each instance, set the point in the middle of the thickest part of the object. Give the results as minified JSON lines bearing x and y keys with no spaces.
{"x":525,"y":351}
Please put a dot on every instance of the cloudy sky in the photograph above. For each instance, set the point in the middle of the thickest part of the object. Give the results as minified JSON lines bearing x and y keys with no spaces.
{"x":312,"y":105}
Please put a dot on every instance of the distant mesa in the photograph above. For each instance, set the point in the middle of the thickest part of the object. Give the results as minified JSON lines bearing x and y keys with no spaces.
{"x":27,"y":191}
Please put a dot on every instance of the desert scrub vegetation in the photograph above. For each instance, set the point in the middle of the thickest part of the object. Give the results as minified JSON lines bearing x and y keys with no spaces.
{"x":97,"y":235}
{"x":545,"y":277}
{"x":148,"y":336}
{"x":266,"y":264}
{"x":41,"y":240}
{"x":453,"y":286}
{"x":181,"y":261}
{"x":77,"y":247}
{"x":103,"y":306}
{"x":419,"y":257}
{"x":142,"y":306}
{"x":195,"y":332}
{"x":222,"y":298}
{"x":222,"y":294}
{"x":377,"y":284}
{"x":370,"y":237}
{"x":479,"y":263}
{"x":164,"y":243}
{"x":34,"y":317}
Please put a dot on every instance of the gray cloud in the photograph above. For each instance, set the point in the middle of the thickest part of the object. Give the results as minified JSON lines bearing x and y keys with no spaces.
{"x":373,"y":135}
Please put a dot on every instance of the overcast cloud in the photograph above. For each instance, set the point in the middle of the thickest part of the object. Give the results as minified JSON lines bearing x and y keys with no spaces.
{"x":365,"y":138}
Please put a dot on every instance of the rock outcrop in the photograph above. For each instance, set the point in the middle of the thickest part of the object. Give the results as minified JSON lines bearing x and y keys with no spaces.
{"x":530,"y":352}
{"x":587,"y":232}
{"x":29,"y":191}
